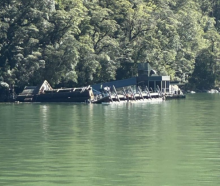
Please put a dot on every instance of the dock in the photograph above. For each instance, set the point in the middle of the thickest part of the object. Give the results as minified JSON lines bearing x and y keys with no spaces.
{"x":110,"y":95}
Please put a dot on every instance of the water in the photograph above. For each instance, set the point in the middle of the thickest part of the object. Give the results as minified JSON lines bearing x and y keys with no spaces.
{"x":171,"y":143}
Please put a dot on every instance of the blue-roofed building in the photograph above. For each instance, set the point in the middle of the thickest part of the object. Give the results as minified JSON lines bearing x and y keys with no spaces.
{"x":147,"y":76}
{"x":117,"y":83}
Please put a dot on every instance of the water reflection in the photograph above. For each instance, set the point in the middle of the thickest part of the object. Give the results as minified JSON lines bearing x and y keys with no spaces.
{"x":167,"y":143}
{"x":44,"y":117}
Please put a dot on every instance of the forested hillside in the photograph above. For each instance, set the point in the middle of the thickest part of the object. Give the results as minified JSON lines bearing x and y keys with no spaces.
{"x":76,"y":42}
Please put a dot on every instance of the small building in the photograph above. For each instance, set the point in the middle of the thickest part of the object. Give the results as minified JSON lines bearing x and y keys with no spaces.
{"x":30,"y":91}
{"x":147,"y":76}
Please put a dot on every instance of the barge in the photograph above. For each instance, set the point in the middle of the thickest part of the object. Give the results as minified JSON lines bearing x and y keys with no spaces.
{"x":45,"y":93}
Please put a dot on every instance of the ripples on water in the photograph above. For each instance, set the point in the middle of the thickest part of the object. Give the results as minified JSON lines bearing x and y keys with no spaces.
{"x":166,"y":143}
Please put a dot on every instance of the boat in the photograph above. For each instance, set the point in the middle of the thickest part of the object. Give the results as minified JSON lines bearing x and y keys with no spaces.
{"x":176,"y":93}
{"x":45,"y":93}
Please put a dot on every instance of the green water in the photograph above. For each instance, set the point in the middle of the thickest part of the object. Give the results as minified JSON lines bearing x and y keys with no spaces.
{"x":171,"y":143}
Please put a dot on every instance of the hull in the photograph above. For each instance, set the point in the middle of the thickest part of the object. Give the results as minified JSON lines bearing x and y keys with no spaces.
{"x":45,"y":93}
{"x":56,"y":97}
{"x":63,"y":97}
{"x":84,"y":96}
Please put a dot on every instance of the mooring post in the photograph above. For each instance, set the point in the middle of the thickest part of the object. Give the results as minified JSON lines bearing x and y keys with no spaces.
{"x":116,"y":93}
{"x":140,"y":93}
{"x":148,"y":92}
{"x":133,"y":93}
{"x":159,"y":92}
{"x":110,"y":95}
{"x":126,"y":94}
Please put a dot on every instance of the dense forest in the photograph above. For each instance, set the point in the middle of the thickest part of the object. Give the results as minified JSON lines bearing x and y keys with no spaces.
{"x":76,"y":42}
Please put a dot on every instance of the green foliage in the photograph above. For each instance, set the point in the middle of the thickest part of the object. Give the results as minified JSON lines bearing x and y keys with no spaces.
{"x":203,"y":75}
{"x":74,"y":42}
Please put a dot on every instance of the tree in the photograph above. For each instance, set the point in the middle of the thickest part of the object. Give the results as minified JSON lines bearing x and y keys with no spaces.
{"x":98,"y":46}
{"x":20,"y":56}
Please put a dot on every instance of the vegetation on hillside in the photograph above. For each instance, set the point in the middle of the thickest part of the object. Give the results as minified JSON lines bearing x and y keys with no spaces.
{"x":76,"y":42}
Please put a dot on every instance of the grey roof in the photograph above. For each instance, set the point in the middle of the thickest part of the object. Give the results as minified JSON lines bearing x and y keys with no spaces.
{"x":117,"y":84}
{"x":33,"y":90}
{"x":30,"y":90}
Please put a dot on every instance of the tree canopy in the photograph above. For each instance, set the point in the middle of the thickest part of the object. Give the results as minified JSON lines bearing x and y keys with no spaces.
{"x":75,"y":42}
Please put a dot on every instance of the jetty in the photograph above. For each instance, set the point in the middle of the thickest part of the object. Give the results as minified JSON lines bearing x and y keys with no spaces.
{"x":147,"y":86}
{"x":110,"y":95}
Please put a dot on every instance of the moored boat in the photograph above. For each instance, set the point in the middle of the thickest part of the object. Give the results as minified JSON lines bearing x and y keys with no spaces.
{"x":45,"y":93}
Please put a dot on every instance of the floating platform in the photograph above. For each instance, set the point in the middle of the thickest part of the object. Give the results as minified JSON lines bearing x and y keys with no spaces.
{"x":175,"y":96}
{"x":109,"y":95}
{"x":45,"y":93}
{"x":132,"y":98}
{"x":134,"y":101}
